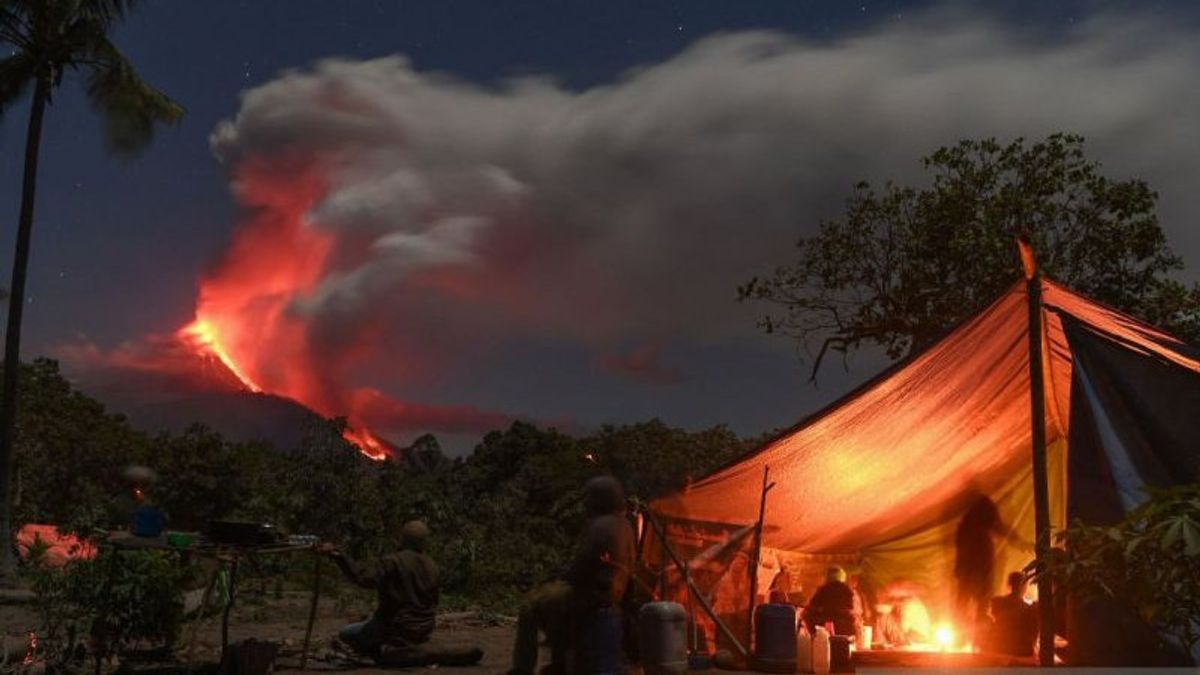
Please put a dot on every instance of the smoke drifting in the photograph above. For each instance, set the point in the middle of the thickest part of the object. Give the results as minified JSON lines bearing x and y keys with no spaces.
{"x":399,"y":223}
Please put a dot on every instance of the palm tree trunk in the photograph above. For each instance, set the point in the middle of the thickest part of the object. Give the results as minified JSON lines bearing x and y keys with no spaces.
{"x":12,"y":338}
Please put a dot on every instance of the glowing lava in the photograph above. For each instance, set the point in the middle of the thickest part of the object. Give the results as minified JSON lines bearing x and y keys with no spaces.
{"x":245,"y":313}
{"x":202,"y":337}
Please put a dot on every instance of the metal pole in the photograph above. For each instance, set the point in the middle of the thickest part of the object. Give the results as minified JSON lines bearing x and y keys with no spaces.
{"x":1041,"y":486}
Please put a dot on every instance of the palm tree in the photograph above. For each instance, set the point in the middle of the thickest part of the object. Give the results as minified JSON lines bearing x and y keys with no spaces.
{"x":49,"y":39}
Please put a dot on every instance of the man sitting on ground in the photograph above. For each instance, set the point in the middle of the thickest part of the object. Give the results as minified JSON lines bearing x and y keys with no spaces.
{"x":833,"y":602}
{"x":403,"y":621}
{"x":1015,"y":621}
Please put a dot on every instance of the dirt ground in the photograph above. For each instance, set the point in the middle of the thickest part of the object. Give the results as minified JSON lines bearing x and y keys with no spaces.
{"x":282,"y":620}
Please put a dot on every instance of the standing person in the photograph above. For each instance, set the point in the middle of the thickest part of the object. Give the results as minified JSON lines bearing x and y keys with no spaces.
{"x":975,"y":561}
{"x":407,"y":586}
{"x":597,"y":578}
{"x":833,"y":602}
{"x":1015,"y":627}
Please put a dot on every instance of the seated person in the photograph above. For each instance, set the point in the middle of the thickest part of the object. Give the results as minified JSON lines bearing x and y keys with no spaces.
{"x":1015,"y":622}
{"x":833,"y":602}
{"x":889,"y":628}
{"x":403,"y":621}
{"x":597,"y":578}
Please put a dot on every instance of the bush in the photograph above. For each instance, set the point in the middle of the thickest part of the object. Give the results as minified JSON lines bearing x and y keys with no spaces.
{"x":1148,"y":564}
{"x":114,"y":602}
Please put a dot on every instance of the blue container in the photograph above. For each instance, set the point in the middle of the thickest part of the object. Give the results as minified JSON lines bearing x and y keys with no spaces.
{"x":662,"y":638}
{"x":148,"y":521}
{"x":775,"y":638}
{"x":598,"y":649}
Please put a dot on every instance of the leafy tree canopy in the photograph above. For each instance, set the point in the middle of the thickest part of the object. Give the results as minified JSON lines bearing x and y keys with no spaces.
{"x":905,"y":264}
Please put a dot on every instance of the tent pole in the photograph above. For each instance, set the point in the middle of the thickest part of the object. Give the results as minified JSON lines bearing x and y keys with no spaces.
{"x":687,"y":580}
{"x":757,"y":559}
{"x":1041,"y":487}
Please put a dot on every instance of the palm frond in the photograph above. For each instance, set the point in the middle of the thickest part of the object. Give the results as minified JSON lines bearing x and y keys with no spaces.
{"x":16,"y":73}
{"x":107,"y":11}
{"x":131,"y":107}
{"x":14,"y":28}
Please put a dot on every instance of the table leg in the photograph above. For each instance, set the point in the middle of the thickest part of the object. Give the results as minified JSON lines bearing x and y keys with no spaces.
{"x":312,"y":610}
{"x":233,"y":570}
{"x":204,"y":600}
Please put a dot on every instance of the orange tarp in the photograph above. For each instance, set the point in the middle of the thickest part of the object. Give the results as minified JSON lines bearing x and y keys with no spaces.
{"x":60,"y":547}
{"x":885,"y":473}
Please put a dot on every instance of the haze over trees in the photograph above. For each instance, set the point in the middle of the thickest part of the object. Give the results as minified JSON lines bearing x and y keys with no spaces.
{"x":50,"y":39}
{"x":905,"y":264}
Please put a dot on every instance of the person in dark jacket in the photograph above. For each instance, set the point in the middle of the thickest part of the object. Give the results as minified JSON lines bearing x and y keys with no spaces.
{"x":407,"y":586}
{"x":598,"y":577}
{"x":833,"y":602}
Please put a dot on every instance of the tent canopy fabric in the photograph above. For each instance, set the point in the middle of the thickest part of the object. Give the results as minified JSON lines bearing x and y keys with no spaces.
{"x":885,"y":473}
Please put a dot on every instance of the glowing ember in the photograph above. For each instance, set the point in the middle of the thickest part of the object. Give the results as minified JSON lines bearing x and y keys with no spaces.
{"x":30,"y":649}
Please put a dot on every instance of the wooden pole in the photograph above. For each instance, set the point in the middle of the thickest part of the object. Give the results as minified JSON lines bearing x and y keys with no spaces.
{"x":1041,"y":485}
{"x":687,"y":580}
{"x":757,"y":558}
{"x":312,"y":610}
{"x":233,"y":570}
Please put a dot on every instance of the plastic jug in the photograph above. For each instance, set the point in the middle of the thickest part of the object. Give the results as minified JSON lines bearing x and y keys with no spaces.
{"x":803,"y":650}
{"x":821,"y":654}
{"x":662,"y":633}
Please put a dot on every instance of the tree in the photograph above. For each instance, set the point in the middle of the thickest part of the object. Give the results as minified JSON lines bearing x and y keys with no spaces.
{"x":904,"y":264}
{"x":51,"y":38}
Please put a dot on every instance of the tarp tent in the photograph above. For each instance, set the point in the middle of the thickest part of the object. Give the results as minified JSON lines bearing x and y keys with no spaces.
{"x":879,"y":480}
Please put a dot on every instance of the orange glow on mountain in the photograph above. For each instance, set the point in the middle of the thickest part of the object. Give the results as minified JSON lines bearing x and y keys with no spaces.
{"x":245,"y":314}
{"x":205,"y":339}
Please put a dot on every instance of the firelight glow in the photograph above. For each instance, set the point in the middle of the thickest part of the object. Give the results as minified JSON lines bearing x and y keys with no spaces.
{"x":944,"y":636}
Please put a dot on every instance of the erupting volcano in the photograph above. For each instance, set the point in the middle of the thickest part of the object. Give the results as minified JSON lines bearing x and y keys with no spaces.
{"x":244,"y":317}
{"x":250,"y":317}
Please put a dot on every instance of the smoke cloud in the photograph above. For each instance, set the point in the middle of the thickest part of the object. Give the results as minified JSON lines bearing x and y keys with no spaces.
{"x":426,"y":223}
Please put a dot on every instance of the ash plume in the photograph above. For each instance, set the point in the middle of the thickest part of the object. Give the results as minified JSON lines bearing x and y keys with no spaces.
{"x":398,"y":223}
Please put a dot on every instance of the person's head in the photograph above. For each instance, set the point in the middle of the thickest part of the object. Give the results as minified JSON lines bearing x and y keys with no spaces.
{"x":603,"y":495}
{"x":138,"y":478}
{"x":413,"y":535}
{"x":835,"y":573}
{"x":1018,"y":582}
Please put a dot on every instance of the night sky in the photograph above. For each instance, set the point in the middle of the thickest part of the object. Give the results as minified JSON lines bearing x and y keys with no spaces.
{"x":870,"y":86}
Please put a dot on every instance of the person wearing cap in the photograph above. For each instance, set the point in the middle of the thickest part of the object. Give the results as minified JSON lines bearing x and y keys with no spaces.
{"x":407,"y":586}
{"x":833,"y":602}
{"x":598,"y":577}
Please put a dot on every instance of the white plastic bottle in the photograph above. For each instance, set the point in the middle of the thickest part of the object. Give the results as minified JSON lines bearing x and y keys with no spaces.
{"x":803,"y":650}
{"x":820,"y":651}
